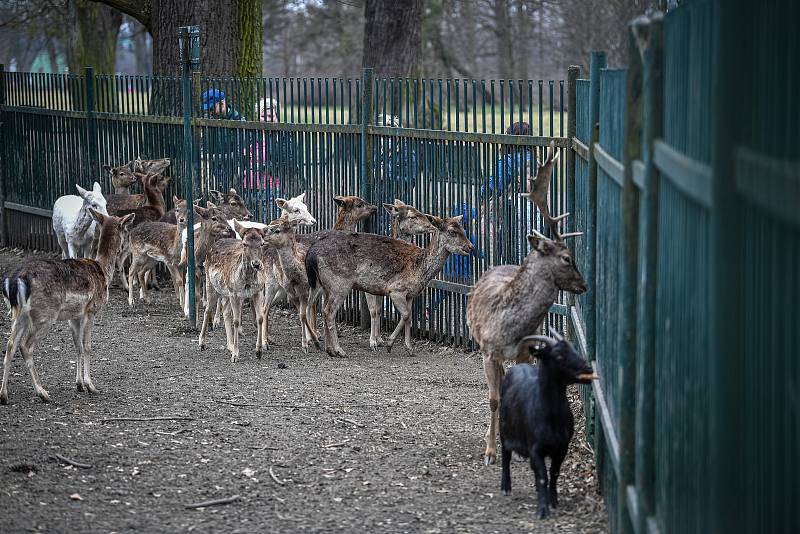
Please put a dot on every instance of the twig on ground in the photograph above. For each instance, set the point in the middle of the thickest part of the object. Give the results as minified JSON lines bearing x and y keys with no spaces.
{"x":213,"y":502}
{"x":234,"y":403}
{"x":171,"y":376}
{"x":181,"y":431}
{"x":275,"y":478}
{"x":354,"y":423}
{"x":73,"y":463}
{"x":266,"y":448}
{"x":171,"y":418}
{"x":331,"y":445}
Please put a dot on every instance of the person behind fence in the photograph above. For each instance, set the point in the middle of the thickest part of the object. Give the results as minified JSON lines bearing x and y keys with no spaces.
{"x":218,"y":145}
{"x":396,"y":164}
{"x":270,"y":159}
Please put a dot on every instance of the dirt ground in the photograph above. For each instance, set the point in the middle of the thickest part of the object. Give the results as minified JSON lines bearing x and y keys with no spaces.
{"x":374,"y":442}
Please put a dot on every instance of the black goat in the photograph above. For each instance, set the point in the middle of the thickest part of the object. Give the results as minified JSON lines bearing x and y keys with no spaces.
{"x":535,"y":418}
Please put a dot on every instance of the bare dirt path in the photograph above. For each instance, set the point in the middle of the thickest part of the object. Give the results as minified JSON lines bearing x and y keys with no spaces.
{"x":374,"y":442}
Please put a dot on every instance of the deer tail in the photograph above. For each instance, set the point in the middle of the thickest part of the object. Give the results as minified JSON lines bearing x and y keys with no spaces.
{"x":312,"y":268}
{"x":16,"y":294}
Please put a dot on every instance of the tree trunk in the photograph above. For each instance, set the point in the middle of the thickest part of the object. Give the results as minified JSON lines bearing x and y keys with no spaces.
{"x":230,"y":33}
{"x":392,"y":37}
{"x":94,"y":42}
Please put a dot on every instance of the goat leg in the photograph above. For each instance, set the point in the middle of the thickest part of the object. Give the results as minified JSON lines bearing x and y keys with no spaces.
{"x":540,"y":472}
{"x":505,"y":478}
{"x":556,"y":459}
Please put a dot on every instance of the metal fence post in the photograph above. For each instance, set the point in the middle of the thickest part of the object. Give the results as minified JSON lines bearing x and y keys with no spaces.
{"x":4,"y":158}
{"x":652,"y":128}
{"x":598,"y":62}
{"x":628,"y":500}
{"x":573,"y":74}
{"x":189,"y":43}
{"x":367,"y":181}
{"x":91,"y":125}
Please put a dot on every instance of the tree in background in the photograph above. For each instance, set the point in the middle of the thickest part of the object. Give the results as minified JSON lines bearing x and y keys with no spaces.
{"x":230,"y":38}
{"x":393,"y":37}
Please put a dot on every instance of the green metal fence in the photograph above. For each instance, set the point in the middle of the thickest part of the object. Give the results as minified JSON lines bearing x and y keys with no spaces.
{"x":440,"y":145}
{"x":691,"y":198}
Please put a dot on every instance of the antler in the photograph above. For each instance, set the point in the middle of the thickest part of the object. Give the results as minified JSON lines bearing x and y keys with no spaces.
{"x":539,"y":189}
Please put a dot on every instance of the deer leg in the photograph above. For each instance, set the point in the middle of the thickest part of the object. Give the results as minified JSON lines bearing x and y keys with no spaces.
{"x":88,"y":322}
{"x":494,"y":378}
{"x":207,"y":317}
{"x":332,"y":303}
{"x":217,"y":314}
{"x":26,"y":348}
{"x":374,"y":305}
{"x":74,"y":326}
{"x":120,"y":268}
{"x":72,"y":250}
{"x":17,"y":331}
{"x":257,"y":302}
{"x":132,"y":272}
{"x":227,"y":320}
{"x":141,"y":276}
{"x":235,"y":304}
{"x":62,"y":242}
{"x":177,"y":282}
{"x":401,"y":302}
{"x":270,"y":292}
{"x":408,"y":327}
{"x":310,"y":319}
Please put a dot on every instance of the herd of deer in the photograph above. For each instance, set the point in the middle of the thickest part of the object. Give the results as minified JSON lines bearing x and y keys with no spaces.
{"x":237,"y":259}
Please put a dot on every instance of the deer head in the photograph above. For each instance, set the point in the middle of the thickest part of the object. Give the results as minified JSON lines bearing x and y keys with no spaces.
{"x":296,"y":209}
{"x":555,"y":254}
{"x":355,"y":207}
{"x":407,"y":220}
{"x":93,"y":198}
{"x":452,"y":233}
{"x":151,"y":166}
{"x":231,"y":204}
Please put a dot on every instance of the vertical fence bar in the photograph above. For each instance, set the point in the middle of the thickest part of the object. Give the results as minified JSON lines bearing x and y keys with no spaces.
{"x":189,"y":42}
{"x":3,"y":170}
{"x":366,"y":188}
{"x":652,"y":129}
{"x":628,"y":501}
{"x":598,"y":62}
{"x":91,"y":124}
{"x":573,"y":74}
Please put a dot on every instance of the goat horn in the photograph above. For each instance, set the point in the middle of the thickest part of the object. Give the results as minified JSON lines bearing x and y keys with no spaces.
{"x":556,"y":334}
{"x":544,"y":339}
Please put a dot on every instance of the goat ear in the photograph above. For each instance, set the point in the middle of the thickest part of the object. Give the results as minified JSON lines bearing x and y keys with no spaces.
{"x":97,"y":216}
{"x":127,"y":220}
{"x":535,"y":345}
{"x":281,"y":203}
{"x":391,"y":209}
{"x":543,"y":246}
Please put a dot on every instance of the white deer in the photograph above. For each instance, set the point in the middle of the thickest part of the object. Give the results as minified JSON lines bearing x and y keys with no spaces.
{"x":73,"y":224}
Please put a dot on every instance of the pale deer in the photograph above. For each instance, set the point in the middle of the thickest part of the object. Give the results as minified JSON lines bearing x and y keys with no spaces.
{"x":41,"y":292}
{"x":509,"y":302}
{"x":380,"y":265}
{"x":73,"y":224}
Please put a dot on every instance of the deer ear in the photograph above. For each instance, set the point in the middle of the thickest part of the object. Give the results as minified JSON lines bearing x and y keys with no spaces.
{"x":543,"y":246}
{"x":340,"y":201}
{"x":398,"y":202}
{"x":96,"y":215}
{"x":238,"y":228}
{"x":210,"y":205}
{"x":391,"y":209}
{"x":459,"y":219}
{"x":301,"y":197}
{"x":107,"y":168}
{"x":436,"y":221}
{"x":81,"y":191}
{"x":216,"y":195}
{"x":555,"y":156}
{"x":232,"y":192}
{"x":281,"y":203}
{"x":127,"y":220}
{"x":175,"y":199}
{"x":96,"y":188}
{"x":201,"y":211}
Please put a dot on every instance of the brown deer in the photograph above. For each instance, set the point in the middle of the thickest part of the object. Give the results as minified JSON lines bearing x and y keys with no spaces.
{"x":230,"y":203}
{"x":41,"y":292}
{"x":407,"y":221}
{"x":232,"y":267}
{"x":379,"y":265}
{"x":509,"y":302}
{"x":157,"y":242}
{"x":151,"y":166}
{"x":153,"y":210}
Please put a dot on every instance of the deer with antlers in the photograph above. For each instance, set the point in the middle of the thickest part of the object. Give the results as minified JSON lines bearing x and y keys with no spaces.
{"x":509,"y":302}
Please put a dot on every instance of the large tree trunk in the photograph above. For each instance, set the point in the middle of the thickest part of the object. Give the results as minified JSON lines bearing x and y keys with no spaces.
{"x":94,"y":42}
{"x":392,"y":37}
{"x":230,"y":33}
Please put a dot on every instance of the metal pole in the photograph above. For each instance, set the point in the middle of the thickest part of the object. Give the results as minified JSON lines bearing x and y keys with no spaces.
{"x":367,"y":182}
{"x":189,"y":43}
{"x":91,"y":125}
{"x":3,"y":170}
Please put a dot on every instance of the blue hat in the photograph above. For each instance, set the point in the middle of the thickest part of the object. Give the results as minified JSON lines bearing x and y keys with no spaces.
{"x":211,"y":97}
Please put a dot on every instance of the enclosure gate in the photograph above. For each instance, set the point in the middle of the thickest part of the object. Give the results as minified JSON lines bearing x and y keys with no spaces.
{"x":686,"y":202}
{"x":439,"y":145}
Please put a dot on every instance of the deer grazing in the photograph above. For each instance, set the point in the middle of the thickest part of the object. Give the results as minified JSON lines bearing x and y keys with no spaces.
{"x":379,"y":265}
{"x":509,"y":302}
{"x":157,"y":242}
{"x":232,"y":267}
{"x":73,"y":223}
{"x":41,"y":292}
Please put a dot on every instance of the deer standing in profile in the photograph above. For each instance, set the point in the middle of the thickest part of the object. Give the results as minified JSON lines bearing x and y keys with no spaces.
{"x":380,"y":265}
{"x":509,"y":302}
{"x":41,"y":292}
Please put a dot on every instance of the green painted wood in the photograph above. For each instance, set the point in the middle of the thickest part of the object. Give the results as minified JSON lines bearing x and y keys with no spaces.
{"x":613,"y":168}
{"x":692,"y":177}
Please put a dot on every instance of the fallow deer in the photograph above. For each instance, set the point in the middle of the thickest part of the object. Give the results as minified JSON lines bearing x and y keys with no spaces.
{"x":73,"y":224}
{"x":153,"y":210}
{"x":509,"y":302}
{"x":41,"y":292}
{"x":380,"y":265}
{"x":231,"y":272}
